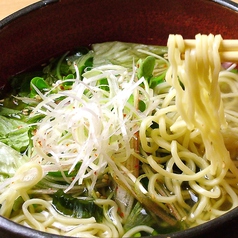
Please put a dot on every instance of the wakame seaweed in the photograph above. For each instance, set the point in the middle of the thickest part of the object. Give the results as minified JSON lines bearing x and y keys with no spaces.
{"x":68,"y":205}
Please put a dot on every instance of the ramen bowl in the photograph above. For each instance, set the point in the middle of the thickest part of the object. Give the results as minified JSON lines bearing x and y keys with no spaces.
{"x":47,"y":29}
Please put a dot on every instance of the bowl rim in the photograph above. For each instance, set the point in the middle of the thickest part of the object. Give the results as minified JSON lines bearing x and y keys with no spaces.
{"x":32,"y":7}
{"x":227,"y":3}
{"x":42,"y":3}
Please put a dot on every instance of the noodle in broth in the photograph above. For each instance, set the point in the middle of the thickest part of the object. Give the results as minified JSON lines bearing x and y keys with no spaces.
{"x":176,"y":154}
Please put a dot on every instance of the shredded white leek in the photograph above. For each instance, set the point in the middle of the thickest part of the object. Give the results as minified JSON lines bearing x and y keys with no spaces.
{"x":89,"y":124}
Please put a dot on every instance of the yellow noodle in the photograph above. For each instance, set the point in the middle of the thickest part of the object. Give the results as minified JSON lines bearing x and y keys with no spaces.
{"x":137,"y":229}
{"x":178,"y":193}
{"x":156,"y":197}
{"x":114,"y":217}
{"x":200,"y":208}
{"x":90,"y":230}
{"x":196,"y":133}
{"x":172,"y":175}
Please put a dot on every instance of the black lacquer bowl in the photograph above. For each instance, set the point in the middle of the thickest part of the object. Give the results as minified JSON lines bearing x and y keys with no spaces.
{"x":50,"y":28}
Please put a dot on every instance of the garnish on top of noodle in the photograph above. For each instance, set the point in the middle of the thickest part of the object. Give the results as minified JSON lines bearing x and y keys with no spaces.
{"x":122,"y":140}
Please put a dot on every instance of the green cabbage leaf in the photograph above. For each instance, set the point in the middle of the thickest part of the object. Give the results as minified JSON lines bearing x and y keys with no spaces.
{"x":14,"y":133}
{"x":10,"y":161}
